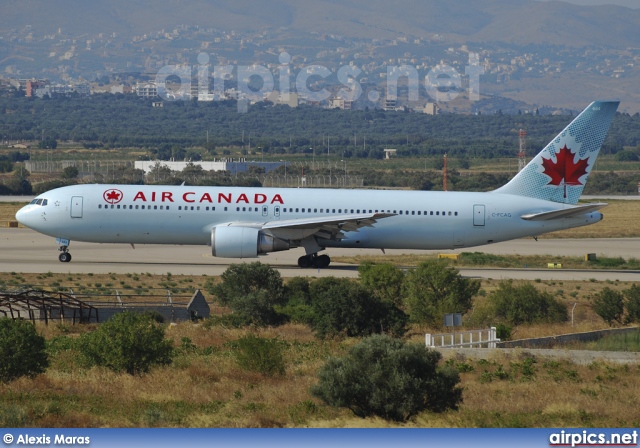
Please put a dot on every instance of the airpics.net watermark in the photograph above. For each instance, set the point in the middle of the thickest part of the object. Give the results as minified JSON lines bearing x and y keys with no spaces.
{"x":442,"y":83}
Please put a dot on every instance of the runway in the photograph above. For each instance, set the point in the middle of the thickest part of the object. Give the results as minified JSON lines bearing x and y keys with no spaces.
{"x":26,"y":251}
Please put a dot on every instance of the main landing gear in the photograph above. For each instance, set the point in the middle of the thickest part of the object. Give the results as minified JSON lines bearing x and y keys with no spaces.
{"x":65,"y":256}
{"x":314,"y":261}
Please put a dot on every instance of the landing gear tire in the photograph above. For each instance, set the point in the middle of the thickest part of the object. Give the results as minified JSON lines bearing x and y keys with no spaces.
{"x":323,"y":261}
{"x":314,"y":261}
{"x":306,"y":261}
{"x":65,"y":257}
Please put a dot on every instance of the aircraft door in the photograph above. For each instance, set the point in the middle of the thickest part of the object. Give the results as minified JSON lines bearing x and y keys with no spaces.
{"x":265,"y":210}
{"x":276,"y":212}
{"x":478,"y":215}
{"x":76,"y":207}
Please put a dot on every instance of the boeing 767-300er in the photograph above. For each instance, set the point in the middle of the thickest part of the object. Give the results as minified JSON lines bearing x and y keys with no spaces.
{"x":247,"y":222}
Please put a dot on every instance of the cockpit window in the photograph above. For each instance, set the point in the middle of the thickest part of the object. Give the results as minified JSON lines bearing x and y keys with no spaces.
{"x":42,"y":202}
{"x":35,"y":201}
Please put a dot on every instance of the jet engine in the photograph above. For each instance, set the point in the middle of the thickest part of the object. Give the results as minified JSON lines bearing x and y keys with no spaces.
{"x":243,"y":242}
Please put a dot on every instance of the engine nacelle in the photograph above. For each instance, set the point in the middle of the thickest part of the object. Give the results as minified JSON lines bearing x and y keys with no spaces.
{"x":243,"y":242}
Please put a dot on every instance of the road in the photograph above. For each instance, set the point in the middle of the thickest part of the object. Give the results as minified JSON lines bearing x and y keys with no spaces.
{"x":26,"y":251}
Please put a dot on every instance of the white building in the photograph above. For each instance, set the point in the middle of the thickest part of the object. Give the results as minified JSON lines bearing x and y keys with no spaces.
{"x":241,"y":166}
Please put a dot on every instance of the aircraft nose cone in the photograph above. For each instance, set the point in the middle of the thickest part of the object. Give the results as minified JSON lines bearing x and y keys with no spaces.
{"x":22,"y":216}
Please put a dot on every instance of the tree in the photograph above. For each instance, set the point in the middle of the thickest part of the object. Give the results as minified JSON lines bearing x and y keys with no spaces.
{"x":70,"y":172}
{"x":48,"y":143}
{"x":388,"y":378}
{"x":129,"y":342}
{"x":609,"y":305}
{"x":385,"y":280}
{"x":343,"y":307}
{"x":518,"y":304}
{"x":252,"y":290}
{"x":434,"y":289}
{"x":632,"y":303}
{"x":22,"y":350}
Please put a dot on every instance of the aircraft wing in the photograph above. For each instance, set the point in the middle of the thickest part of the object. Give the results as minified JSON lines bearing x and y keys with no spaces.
{"x":329,"y":227}
{"x":564,"y":213}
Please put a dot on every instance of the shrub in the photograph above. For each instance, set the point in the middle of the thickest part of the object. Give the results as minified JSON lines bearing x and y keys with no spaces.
{"x":434,"y":289}
{"x":385,"y":377}
{"x":632,"y":303}
{"x":22,"y":350}
{"x":260,"y":355}
{"x":385,"y":280}
{"x":252,"y":290}
{"x":128,"y":342}
{"x":343,"y":307}
{"x":298,"y":301}
{"x":609,"y":305}
{"x":524,"y":304}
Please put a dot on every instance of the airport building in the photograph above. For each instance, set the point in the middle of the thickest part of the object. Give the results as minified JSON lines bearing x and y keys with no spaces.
{"x":230,"y":165}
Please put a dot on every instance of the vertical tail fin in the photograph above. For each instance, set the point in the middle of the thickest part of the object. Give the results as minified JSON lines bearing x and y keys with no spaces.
{"x":560,"y":171}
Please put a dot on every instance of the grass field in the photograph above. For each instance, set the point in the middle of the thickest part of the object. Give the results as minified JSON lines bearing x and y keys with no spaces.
{"x":206,"y":387}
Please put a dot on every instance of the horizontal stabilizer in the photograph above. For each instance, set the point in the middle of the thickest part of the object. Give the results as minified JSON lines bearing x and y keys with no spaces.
{"x":565,"y":212}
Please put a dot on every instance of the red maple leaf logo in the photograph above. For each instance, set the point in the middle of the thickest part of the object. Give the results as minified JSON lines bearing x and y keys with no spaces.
{"x":564,"y":168}
{"x":113,"y":196}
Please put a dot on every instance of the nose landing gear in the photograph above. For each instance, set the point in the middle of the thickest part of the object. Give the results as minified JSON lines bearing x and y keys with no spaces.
{"x":65,"y":256}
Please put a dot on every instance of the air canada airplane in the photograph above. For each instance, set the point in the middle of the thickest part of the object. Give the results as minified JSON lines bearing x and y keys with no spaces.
{"x":242,"y":222}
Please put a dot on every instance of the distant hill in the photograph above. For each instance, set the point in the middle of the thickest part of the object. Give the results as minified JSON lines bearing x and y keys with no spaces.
{"x":513,"y":21}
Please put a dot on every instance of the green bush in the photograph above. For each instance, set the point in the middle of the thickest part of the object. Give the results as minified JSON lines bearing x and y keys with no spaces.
{"x":609,"y":305}
{"x":260,"y":355}
{"x":524,"y":304}
{"x":632,"y":303}
{"x":22,"y":350}
{"x":252,"y":290}
{"x":128,"y":342}
{"x":343,"y":307}
{"x":298,"y":301}
{"x":385,"y":280}
{"x":434,"y":289}
{"x":388,"y":378}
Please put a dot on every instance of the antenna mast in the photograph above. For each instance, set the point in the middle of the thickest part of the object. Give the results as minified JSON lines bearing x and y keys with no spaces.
{"x":522,"y":159}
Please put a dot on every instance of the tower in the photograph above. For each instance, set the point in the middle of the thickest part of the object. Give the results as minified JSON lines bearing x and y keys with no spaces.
{"x":522,"y":159}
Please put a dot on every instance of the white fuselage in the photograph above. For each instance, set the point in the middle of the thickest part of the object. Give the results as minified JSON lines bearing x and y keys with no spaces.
{"x":186,"y":215}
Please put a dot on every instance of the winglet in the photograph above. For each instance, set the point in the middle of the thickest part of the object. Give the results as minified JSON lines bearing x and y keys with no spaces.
{"x":560,"y":171}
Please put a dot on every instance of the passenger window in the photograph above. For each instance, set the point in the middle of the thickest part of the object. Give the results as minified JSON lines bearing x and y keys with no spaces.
{"x":137,"y":207}
{"x":456,"y":213}
{"x":413,"y":212}
{"x":437,"y":213}
{"x":99,"y":205}
{"x":155,"y":207}
{"x":179,"y":207}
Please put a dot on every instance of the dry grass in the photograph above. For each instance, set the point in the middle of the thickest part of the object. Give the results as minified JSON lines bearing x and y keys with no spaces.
{"x":212,"y":391}
{"x":209,"y":389}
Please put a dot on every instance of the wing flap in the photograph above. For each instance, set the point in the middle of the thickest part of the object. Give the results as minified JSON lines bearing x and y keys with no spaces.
{"x":564,"y":213}
{"x":328,"y":227}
